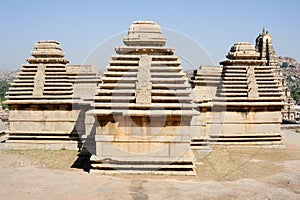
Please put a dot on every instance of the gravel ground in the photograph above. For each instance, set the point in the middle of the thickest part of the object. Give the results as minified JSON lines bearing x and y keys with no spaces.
{"x":227,"y":173}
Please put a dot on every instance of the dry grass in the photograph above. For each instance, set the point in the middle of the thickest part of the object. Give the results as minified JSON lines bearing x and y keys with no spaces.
{"x":221,"y":164}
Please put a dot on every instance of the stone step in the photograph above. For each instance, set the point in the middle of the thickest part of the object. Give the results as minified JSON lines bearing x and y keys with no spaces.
{"x":49,"y":88}
{"x":139,"y":112}
{"x":19,"y":92}
{"x":167,"y":75}
{"x":233,"y":82}
{"x":122,"y":68}
{"x":159,"y":165}
{"x":135,"y":170}
{"x":120,"y":74}
{"x":142,"y":165}
{"x":235,"y":78}
{"x":121,"y":57}
{"x":56,"y":92}
{"x":153,"y":91}
{"x":41,"y":97}
{"x":117,"y":79}
{"x":57,"y":84}
{"x":27,"y":73}
{"x":236,"y":102}
{"x":117,"y":85}
{"x":124,"y":62}
{"x":174,"y":92}
{"x":170,"y":86}
{"x":137,"y":57}
{"x":171,"y":98}
{"x":116,"y":91}
{"x":143,"y":106}
{"x":165,"y":63}
{"x":114,"y":98}
{"x":154,"y":86}
{"x":234,"y":94}
{"x":237,"y":70}
{"x":168,"y":80}
{"x":264,"y":78}
{"x":20,"y":88}
{"x":17,"y":84}
{"x":165,"y":69}
{"x":42,"y":137}
{"x":62,"y":80}
{"x":54,"y":70}
{"x":25,"y":77}
{"x":58,"y":76}
{"x":240,"y":86}
{"x":23,"y":81}
{"x":43,"y":144}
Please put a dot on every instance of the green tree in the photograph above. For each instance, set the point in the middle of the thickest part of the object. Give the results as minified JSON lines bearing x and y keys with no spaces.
{"x":4,"y":85}
{"x":284,"y":65}
{"x":295,"y":92}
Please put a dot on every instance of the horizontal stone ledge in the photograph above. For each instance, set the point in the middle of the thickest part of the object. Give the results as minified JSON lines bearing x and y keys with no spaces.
{"x":21,"y":132}
{"x":143,"y":112}
{"x":142,"y":166}
{"x":161,"y":106}
{"x":41,"y":101}
{"x":162,"y":138}
{"x":248,"y":104}
{"x":229,"y":121}
{"x":27,"y":137}
{"x":146,"y":158}
{"x":62,"y":120}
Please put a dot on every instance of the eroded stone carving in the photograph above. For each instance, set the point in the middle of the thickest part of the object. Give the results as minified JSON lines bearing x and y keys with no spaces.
{"x":251,"y":82}
{"x":39,"y":81}
{"x":143,"y":85}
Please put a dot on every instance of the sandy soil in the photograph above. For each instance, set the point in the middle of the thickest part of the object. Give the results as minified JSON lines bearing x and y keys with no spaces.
{"x":227,"y":173}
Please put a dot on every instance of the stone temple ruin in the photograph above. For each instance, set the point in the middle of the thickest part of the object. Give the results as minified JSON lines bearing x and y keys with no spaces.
{"x":144,"y":114}
{"x":143,"y":105}
{"x":44,"y":112}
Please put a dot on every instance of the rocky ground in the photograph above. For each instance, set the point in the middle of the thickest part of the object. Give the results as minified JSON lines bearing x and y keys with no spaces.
{"x":226,"y":173}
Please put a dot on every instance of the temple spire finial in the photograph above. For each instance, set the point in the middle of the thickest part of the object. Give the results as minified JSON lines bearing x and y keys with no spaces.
{"x":263,"y":30}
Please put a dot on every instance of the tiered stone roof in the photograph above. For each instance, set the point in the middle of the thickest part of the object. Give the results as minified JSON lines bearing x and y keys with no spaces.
{"x":246,"y":80}
{"x":144,"y":78}
{"x":44,"y":78}
{"x":205,"y":81}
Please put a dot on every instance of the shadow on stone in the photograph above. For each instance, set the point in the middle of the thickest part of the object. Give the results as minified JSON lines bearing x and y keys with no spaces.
{"x":83,"y":160}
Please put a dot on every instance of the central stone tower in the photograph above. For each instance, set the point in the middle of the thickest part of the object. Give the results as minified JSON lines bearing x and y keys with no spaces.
{"x":143,"y":108}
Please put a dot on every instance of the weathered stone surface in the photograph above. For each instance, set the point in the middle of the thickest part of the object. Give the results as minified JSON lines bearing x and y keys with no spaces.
{"x":144,"y":33}
{"x":143,"y":84}
{"x":246,"y":105}
{"x":143,"y":106}
{"x":44,"y":110}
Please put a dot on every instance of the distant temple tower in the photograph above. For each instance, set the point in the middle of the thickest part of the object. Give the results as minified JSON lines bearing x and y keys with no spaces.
{"x":266,"y":52}
{"x":143,"y":108}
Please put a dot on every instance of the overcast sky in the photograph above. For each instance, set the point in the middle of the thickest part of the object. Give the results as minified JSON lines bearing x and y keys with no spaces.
{"x":82,"y":25}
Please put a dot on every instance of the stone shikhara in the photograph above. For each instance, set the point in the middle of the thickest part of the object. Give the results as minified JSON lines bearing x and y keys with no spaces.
{"x":144,"y":113}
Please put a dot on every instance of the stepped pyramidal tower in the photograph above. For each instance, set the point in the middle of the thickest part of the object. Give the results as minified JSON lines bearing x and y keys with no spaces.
{"x":249,"y":99}
{"x":143,"y":107}
{"x":42,"y":113}
{"x":267,"y":53}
